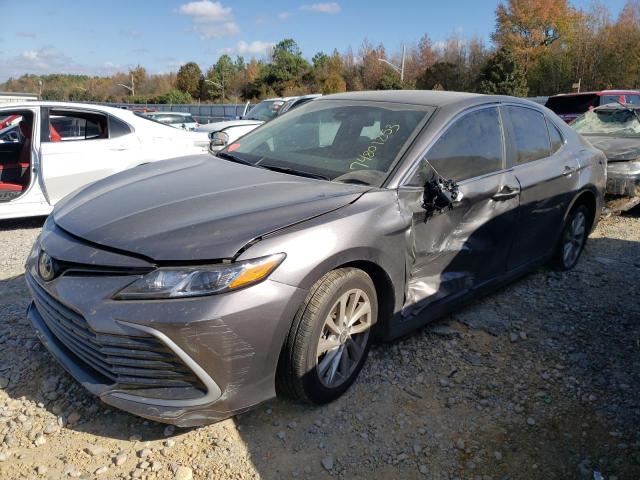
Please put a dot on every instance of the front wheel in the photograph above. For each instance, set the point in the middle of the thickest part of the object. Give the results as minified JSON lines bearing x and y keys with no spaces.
{"x":574,"y":237}
{"x":330,"y":337}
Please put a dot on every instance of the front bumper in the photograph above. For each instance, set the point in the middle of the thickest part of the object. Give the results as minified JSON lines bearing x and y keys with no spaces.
{"x":623,"y":178}
{"x":230,"y":342}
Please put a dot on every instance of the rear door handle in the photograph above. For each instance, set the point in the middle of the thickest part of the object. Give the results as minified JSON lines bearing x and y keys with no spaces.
{"x":568,"y":170}
{"x":506,"y":193}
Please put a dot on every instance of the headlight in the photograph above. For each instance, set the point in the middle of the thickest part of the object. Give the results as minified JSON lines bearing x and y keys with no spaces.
{"x":180,"y":282}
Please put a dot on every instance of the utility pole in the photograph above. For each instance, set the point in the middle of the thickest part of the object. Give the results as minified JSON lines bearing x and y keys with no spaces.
{"x":577,"y":85}
{"x":404,"y":51}
{"x":216,"y":84}
{"x":397,"y":68}
{"x":131,"y":88}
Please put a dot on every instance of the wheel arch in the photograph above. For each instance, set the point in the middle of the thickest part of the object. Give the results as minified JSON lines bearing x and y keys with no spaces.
{"x":588,"y":197}
{"x":385,"y":290}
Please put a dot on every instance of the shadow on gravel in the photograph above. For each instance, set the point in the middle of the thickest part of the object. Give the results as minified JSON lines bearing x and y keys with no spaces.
{"x":22,"y":223}
{"x":545,"y":372}
{"x":580,"y":350}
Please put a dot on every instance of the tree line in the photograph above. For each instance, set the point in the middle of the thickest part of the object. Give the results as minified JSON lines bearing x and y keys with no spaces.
{"x":538,"y":47}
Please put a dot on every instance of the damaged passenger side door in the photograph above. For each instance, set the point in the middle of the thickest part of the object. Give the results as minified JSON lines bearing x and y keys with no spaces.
{"x":466,"y":244}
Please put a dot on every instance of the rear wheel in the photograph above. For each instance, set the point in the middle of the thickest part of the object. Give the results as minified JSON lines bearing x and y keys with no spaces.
{"x":573,"y":239}
{"x":330,"y":337}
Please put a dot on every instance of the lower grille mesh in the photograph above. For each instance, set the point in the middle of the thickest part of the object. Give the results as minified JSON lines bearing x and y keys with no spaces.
{"x":130,"y":362}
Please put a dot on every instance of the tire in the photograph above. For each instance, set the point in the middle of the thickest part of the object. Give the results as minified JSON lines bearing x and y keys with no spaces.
{"x":307,"y":373}
{"x":573,"y":239}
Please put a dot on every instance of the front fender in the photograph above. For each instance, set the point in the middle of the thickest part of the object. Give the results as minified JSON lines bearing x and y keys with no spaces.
{"x":368,"y":230}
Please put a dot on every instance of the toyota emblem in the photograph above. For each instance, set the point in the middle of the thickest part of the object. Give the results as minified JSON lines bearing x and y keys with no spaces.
{"x":46,"y":267}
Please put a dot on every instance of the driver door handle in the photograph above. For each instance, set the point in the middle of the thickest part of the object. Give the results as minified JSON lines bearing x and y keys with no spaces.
{"x":506,"y":193}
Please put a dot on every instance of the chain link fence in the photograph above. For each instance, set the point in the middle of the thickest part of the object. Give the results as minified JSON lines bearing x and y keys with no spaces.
{"x":203,"y":113}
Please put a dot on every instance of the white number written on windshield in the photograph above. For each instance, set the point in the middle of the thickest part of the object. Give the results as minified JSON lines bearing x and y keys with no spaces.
{"x":369,"y":154}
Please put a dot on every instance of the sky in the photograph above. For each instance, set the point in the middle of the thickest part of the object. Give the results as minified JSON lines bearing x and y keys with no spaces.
{"x":100,"y":38}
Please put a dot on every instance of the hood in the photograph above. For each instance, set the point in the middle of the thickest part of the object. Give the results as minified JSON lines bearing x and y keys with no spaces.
{"x":195,"y":208}
{"x":217,"y":126}
{"x":617,"y":149}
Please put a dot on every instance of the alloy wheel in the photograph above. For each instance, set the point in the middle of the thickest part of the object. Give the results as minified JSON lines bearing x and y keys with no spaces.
{"x":574,"y":239}
{"x":343,"y":338}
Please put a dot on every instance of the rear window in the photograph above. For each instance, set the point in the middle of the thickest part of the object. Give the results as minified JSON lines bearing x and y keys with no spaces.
{"x":633,"y":99}
{"x":563,"y":105}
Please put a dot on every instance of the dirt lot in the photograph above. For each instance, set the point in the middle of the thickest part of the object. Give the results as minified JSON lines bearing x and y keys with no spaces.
{"x":538,"y":381}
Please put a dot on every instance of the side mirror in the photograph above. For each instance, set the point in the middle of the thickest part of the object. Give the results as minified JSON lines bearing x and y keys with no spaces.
{"x":218,"y":139}
{"x":440,"y":194}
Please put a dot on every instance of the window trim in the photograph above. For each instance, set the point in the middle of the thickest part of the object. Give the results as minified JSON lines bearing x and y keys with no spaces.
{"x":406,"y":177}
{"x":512,"y":144}
{"x":563,"y":139}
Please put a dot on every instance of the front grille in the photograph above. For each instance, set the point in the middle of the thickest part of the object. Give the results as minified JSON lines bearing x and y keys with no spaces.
{"x":132,"y":362}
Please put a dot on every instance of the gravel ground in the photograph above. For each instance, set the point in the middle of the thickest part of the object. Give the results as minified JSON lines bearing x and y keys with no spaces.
{"x":540,"y":380}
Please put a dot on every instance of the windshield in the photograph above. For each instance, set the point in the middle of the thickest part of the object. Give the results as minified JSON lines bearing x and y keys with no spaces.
{"x":265,"y":110}
{"x":355,"y":142}
{"x":614,"y":122}
{"x":151,"y":119}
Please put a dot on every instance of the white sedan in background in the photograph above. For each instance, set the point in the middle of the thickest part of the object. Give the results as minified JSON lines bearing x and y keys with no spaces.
{"x":60,"y":147}
{"x":227,"y":132}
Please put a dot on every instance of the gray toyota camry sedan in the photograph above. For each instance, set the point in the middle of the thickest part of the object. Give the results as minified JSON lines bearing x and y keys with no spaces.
{"x":191,"y":289}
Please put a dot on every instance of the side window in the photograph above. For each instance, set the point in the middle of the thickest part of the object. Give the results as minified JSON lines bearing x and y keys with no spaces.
{"x":118,"y":128}
{"x":633,"y":99}
{"x":471,"y":147}
{"x":555,"y":136}
{"x":530,"y":135}
{"x":65,"y":125}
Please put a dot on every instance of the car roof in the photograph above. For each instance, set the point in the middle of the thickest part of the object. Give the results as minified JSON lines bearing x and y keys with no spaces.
{"x":184,"y":114}
{"x":40,"y":103}
{"x":431,"y":98}
{"x":122,"y":113}
{"x":278,"y":99}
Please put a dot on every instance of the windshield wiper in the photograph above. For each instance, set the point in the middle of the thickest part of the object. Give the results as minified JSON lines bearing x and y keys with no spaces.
{"x":234,"y":158}
{"x":293,"y":171}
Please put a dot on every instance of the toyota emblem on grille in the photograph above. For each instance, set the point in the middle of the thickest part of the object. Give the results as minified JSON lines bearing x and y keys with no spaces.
{"x":46,"y":267}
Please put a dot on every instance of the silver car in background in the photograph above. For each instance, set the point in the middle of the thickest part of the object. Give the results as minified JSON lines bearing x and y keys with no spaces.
{"x":188,"y":290}
{"x":182,"y":120}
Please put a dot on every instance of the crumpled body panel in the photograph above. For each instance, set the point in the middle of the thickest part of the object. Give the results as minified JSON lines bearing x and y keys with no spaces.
{"x":454,"y":251}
